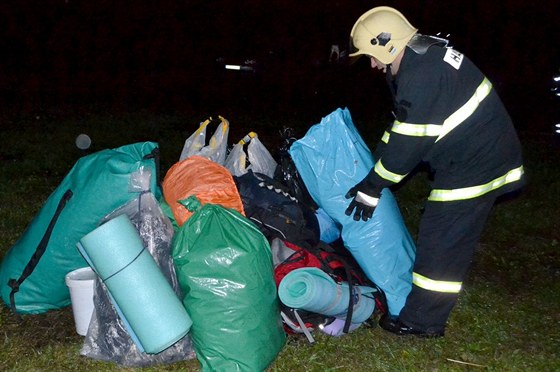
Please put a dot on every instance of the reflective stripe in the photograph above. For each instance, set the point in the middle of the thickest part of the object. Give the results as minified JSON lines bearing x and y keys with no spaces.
{"x":475,"y":191}
{"x":417,"y":130}
{"x":436,"y":285}
{"x":385,"y":137}
{"x":367,"y":199}
{"x":385,"y":174}
{"x":459,"y":116}
{"x":467,"y":109}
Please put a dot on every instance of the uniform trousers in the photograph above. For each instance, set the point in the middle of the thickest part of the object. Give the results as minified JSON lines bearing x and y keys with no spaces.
{"x":448,"y":235}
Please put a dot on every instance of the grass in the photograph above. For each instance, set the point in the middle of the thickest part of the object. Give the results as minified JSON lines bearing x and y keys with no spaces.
{"x":507,"y":318}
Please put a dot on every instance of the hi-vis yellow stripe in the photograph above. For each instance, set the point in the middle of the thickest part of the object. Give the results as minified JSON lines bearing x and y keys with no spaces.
{"x":476,"y":191}
{"x":385,"y":137}
{"x":459,"y":116}
{"x":467,"y":109}
{"x":435,"y":285}
{"x":388,"y":175}
{"x":417,"y":130}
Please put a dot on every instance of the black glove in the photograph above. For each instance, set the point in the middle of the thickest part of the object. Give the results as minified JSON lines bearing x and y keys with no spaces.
{"x":363,"y":201}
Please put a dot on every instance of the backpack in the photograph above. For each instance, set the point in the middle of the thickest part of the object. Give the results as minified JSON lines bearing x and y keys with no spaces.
{"x":275,"y":212}
{"x":333,"y":261}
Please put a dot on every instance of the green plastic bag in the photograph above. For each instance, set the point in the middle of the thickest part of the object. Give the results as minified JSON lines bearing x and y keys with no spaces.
{"x":33,"y":271}
{"x":224,"y":267}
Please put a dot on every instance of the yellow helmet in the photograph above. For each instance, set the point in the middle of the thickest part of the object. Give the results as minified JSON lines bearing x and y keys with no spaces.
{"x":381,"y":32}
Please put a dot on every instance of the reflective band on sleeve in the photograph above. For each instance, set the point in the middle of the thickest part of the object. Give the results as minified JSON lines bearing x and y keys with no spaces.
{"x":467,"y":109}
{"x":417,"y":130}
{"x":476,"y":191}
{"x":388,"y":175}
{"x":436,"y":285}
{"x":385,"y":137}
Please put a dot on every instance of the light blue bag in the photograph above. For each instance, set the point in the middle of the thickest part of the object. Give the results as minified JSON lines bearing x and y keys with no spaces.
{"x":331,"y":158}
{"x":328,"y":229}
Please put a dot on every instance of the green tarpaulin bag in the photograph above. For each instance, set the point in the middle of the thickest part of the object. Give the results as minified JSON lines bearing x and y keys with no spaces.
{"x":32,"y":272}
{"x":224,"y":267}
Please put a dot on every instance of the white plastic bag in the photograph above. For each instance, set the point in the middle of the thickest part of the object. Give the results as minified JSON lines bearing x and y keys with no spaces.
{"x":258,"y":157}
{"x":216,"y":148}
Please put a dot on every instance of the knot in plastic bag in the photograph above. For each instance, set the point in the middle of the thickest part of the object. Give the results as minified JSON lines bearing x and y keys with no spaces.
{"x":191,"y":203}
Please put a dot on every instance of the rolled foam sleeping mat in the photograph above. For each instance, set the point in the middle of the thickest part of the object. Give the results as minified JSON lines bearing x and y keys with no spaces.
{"x":151,"y":309}
{"x":311,"y":289}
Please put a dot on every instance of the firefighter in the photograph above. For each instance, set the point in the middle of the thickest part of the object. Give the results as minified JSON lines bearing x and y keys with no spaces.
{"x":448,"y":116}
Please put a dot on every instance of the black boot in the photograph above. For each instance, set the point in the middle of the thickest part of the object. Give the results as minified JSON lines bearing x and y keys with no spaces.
{"x":394,"y":325}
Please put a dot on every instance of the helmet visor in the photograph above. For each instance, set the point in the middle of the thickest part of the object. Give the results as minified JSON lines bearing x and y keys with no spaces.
{"x":352,"y":48}
{"x":353,"y":52}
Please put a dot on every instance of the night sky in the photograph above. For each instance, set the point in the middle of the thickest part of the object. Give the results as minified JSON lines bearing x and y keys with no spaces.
{"x":161,"y":55}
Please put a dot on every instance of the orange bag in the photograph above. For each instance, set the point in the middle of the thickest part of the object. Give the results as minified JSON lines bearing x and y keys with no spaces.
{"x":208,"y":180}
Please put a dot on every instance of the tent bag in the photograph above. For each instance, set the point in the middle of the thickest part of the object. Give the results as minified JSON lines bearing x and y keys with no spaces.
{"x":97,"y":184}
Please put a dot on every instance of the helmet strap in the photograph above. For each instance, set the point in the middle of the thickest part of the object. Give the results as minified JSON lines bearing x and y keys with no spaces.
{"x":390,"y":79}
{"x":388,"y":72}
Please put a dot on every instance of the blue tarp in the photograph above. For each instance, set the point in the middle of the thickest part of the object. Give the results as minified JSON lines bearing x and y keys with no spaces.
{"x":331,"y":158}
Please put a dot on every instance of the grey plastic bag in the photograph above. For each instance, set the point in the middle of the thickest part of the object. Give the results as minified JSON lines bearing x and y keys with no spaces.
{"x":107,"y":337}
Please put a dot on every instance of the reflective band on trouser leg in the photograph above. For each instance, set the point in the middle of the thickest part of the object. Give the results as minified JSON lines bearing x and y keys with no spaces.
{"x":435,"y":285}
{"x":476,"y":191}
{"x":447,"y":238}
{"x":388,"y":175}
{"x":467,"y":109}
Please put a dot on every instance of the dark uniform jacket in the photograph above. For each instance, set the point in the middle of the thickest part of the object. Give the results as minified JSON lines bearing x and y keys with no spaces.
{"x":448,"y":115}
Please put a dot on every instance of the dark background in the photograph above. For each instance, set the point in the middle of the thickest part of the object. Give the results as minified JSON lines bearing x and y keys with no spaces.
{"x":161,"y":55}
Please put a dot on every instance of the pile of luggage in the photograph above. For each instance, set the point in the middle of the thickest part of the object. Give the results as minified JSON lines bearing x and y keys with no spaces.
{"x":230,"y":252}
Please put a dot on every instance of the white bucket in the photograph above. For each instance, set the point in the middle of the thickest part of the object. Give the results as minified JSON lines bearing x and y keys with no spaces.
{"x":80,"y":282}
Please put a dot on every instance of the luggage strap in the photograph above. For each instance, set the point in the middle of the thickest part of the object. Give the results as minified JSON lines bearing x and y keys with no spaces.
{"x":156,"y":155}
{"x":41,"y":248}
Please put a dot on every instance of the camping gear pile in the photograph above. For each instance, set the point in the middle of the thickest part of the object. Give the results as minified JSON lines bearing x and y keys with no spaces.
{"x":232,"y":251}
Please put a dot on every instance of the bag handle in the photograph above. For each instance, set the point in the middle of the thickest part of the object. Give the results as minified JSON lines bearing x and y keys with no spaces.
{"x":245,"y":140}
